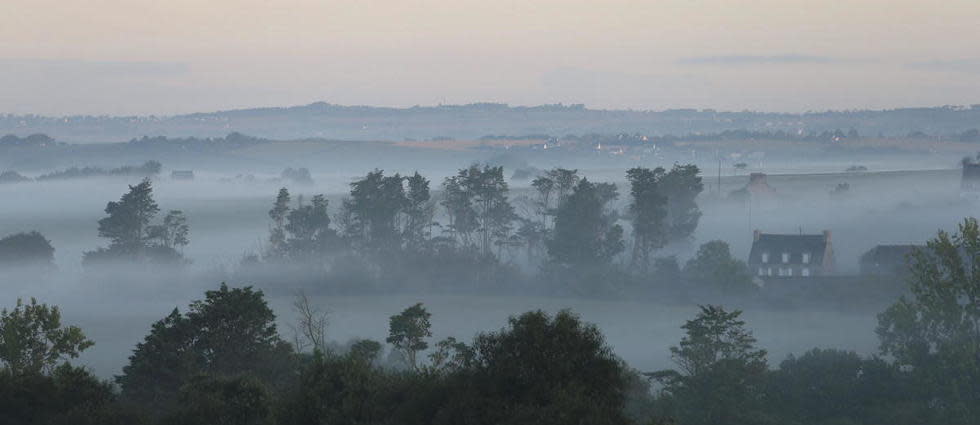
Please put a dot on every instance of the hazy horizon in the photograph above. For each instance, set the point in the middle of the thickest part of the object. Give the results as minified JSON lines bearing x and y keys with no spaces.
{"x":148,"y":58}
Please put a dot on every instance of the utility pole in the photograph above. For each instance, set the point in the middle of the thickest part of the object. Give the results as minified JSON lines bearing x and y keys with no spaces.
{"x":719,"y":176}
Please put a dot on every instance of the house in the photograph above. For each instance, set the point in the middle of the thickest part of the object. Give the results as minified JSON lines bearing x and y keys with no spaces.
{"x":182,"y":175}
{"x":775,"y":255}
{"x":887,"y":260}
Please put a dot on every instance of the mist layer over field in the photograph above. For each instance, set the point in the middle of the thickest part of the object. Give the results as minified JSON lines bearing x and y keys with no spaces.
{"x":228,"y":219}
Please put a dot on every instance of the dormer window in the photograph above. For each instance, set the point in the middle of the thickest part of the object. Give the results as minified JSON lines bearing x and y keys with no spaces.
{"x":806,"y":258}
{"x":765,"y":257}
{"x":785,"y":257}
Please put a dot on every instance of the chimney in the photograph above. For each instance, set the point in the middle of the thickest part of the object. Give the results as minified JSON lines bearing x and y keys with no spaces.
{"x":755,"y":235}
{"x":826,"y":235}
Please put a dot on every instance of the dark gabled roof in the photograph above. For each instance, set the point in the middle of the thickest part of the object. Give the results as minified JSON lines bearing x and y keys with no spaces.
{"x":888,"y":254}
{"x":795,"y":245}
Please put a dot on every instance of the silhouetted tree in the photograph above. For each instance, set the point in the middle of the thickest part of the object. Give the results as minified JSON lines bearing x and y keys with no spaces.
{"x":26,"y":249}
{"x":721,"y":372}
{"x":648,"y":210}
{"x":585,"y":233}
{"x":407,"y":332}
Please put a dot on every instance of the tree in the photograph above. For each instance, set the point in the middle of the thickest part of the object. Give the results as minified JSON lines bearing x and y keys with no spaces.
{"x":308,"y":229}
{"x":209,"y":400}
{"x":418,"y":211}
{"x":374,"y":207}
{"x":936,"y":328}
{"x":128,"y":220}
{"x":32,"y":340}
{"x":26,"y":249}
{"x":585,"y":233}
{"x":543,"y":369}
{"x":714,"y":266}
{"x":229,"y":333}
{"x":477,"y":202}
{"x":648,"y":211}
{"x":458,"y":203}
{"x":277,"y":236}
{"x":682,"y":185}
{"x":721,"y":371}
{"x":173,"y":232}
{"x":311,"y":327}
{"x":408,"y":330}
{"x":131,"y":234}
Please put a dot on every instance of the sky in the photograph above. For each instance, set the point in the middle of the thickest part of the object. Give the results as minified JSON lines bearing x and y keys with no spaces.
{"x":143,"y":57}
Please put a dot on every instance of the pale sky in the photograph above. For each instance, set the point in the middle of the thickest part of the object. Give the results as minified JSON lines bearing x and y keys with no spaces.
{"x":178,"y":56}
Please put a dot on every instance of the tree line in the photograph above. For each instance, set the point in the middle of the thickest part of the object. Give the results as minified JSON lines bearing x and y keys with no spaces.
{"x":223,"y":361}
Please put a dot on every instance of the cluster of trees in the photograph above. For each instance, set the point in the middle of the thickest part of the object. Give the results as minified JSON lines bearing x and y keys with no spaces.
{"x":395,"y":225}
{"x":147,"y":169}
{"x":223,"y":361}
{"x":30,"y":249}
{"x":133,"y":236}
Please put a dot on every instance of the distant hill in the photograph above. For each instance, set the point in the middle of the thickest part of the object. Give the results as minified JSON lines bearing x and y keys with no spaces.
{"x":328,"y":121}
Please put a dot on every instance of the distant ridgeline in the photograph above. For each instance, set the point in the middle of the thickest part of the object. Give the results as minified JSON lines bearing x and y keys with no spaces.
{"x":323,"y":120}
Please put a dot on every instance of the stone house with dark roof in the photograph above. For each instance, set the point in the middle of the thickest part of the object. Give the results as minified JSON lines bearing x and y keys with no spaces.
{"x":791,"y":255}
{"x":887,"y":260}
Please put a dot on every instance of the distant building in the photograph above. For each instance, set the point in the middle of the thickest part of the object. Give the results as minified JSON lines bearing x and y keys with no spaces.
{"x":791,"y":255}
{"x":182,"y":175}
{"x":757,"y":190}
{"x":759,"y":186}
{"x":886,"y":260}
{"x":970,"y":182}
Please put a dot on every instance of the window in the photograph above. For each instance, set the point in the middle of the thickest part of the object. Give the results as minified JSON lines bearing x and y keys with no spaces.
{"x":765,"y":257}
{"x":789,"y":272}
{"x":806,"y":258}
{"x":761,"y":272}
{"x":769,"y":271}
{"x":785,"y":257}
{"x":805,"y":272}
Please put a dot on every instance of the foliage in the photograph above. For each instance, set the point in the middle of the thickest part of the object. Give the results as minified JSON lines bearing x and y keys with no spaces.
{"x":130,"y":234}
{"x":682,"y":185}
{"x":542,"y":369}
{"x":721,"y":372}
{"x":407,"y":332}
{"x":648,"y":211}
{"x":30,"y":248}
{"x":223,"y":401}
{"x":32,"y":339}
{"x":714,"y":266}
{"x":585,"y":232}
{"x":936,"y":329}
{"x":231,"y":332}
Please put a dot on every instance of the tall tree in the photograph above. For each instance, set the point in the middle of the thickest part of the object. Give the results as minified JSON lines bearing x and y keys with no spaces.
{"x":128,"y":220}
{"x":308,"y":229}
{"x":173,"y":232}
{"x":682,"y":185}
{"x":721,"y":374}
{"x":648,"y":210}
{"x":585,"y":232}
{"x":374,"y":207}
{"x":278,"y":213}
{"x":408,"y":330}
{"x":418,"y":210}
